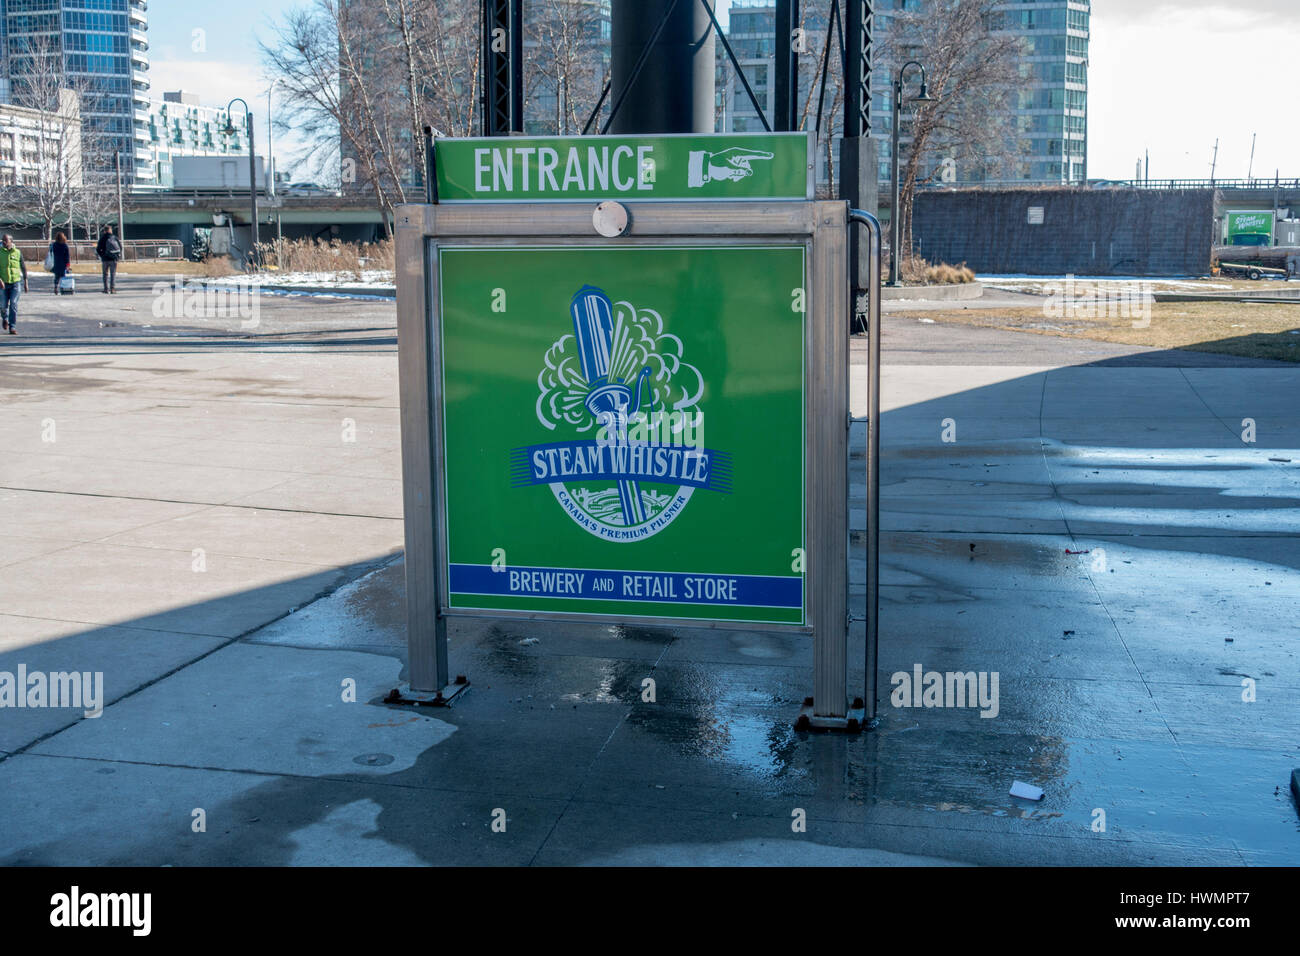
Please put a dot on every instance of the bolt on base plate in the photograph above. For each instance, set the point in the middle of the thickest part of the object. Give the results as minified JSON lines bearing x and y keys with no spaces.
{"x":853,"y":722}
{"x":421,"y":698}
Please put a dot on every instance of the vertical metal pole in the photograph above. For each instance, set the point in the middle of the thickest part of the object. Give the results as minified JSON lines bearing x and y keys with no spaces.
{"x":270,"y":143}
{"x":121,"y":220}
{"x":662,"y":66}
{"x":486,"y":9}
{"x":895,"y":218}
{"x":418,"y":362}
{"x":828,"y":466}
{"x":871,"y":611}
{"x":516,"y":66}
{"x":430,"y":168}
{"x":786,"y":86}
{"x":857,"y":156}
{"x":252,"y":187}
{"x":503,"y":67}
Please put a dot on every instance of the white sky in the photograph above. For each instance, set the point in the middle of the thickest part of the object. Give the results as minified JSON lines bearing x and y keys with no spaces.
{"x":1173,"y":76}
{"x":1165,"y":75}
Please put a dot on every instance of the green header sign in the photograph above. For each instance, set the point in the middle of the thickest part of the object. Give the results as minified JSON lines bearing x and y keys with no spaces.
{"x":623,"y":429}
{"x":1250,"y":224}
{"x":629,"y":168}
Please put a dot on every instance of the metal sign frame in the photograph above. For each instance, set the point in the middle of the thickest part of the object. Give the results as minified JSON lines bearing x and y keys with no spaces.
{"x":822,"y":227}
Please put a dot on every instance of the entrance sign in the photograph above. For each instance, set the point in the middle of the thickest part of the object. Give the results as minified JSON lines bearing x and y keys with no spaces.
{"x":730,"y":166}
{"x":627,"y":411}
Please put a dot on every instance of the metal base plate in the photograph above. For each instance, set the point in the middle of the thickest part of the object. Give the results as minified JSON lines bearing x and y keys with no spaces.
{"x":442,"y":698}
{"x":854,"y":722}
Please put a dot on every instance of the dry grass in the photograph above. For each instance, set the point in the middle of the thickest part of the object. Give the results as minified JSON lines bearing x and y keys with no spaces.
{"x":1248,"y":329}
{"x":348,"y":259}
{"x":168,"y":267}
{"x":917,"y":271}
{"x":944,"y":274}
{"x":151,"y":267}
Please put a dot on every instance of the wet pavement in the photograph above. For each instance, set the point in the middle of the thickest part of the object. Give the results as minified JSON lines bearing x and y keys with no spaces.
{"x":1097,"y":535}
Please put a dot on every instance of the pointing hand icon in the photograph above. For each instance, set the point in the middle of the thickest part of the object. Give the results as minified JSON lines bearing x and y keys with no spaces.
{"x":729,"y":164}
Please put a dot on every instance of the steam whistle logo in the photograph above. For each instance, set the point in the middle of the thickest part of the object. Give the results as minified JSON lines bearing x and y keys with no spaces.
{"x":620,"y":387}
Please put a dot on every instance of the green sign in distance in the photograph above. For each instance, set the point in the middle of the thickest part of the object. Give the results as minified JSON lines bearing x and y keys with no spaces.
{"x":629,"y":168}
{"x":1250,"y":223}
{"x":624,"y":430}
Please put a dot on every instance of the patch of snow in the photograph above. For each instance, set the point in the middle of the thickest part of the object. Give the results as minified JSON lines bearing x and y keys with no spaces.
{"x":370,"y":278}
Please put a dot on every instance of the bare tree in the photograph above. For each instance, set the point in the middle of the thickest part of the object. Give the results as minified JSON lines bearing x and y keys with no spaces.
{"x":451,"y":58}
{"x":331,"y":61}
{"x":566,"y":65}
{"x":340,"y":63}
{"x":972,"y":70}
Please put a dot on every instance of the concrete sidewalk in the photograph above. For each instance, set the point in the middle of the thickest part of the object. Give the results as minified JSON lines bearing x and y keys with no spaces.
{"x":217,"y":529}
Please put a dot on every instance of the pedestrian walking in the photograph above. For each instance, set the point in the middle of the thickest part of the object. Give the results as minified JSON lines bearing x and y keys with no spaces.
{"x":109,"y":250}
{"x":60,"y":260}
{"x":13,"y":280}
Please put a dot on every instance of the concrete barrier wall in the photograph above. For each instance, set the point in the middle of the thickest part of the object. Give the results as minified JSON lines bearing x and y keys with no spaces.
{"x":1083,"y":231}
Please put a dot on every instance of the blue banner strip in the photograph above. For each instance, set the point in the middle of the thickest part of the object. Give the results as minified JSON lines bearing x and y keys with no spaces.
{"x":632,"y":461}
{"x":660,"y":587}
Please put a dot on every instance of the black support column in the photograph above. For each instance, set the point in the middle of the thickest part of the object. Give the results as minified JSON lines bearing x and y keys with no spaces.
{"x":663,"y":67}
{"x":503,"y":67}
{"x":858,"y":176}
{"x":789,"y":45}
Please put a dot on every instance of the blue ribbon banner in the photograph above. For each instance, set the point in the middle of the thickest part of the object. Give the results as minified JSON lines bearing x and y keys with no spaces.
{"x":591,"y":460}
{"x":732,"y":590}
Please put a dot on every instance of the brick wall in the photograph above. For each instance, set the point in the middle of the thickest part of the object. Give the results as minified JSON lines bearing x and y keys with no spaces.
{"x":1083,"y":231}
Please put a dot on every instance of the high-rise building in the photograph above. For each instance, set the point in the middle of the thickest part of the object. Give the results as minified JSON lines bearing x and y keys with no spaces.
{"x":104,"y":49}
{"x":179,"y":125}
{"x":1049,"y":106}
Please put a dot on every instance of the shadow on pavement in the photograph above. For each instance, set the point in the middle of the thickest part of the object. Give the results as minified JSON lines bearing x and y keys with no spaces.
{"x":1101,"y":537}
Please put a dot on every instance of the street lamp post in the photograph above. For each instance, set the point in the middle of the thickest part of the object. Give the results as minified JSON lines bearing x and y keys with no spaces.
{"x":895,"y":215}
{"x":252,"y":167}
{"x":270,"y":148}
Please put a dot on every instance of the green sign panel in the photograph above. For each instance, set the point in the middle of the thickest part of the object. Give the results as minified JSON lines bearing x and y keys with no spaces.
{"x":1250,"y":224}
{"x":640,"y":168}
{"x":624,"y":430}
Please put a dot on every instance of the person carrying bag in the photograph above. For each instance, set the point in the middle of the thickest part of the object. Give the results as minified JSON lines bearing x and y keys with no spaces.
{"x":109,"y":250}
{"x":58,"y":260}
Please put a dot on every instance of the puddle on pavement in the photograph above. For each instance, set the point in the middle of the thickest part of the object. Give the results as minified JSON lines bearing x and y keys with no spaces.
{"x":1006,"y":552}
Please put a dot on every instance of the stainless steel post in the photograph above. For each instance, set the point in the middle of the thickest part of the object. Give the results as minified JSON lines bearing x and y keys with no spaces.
{"x":871,"y":613}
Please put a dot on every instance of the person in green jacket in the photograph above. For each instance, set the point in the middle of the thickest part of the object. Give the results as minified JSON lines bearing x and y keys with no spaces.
{"x":13,"y":280}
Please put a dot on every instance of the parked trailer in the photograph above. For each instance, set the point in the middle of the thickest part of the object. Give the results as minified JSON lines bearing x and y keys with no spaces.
{"x":1249,"y":271}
